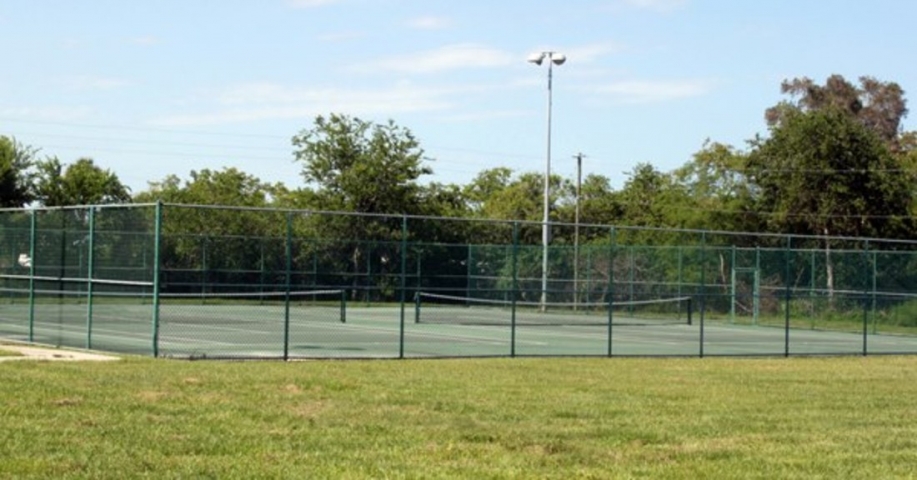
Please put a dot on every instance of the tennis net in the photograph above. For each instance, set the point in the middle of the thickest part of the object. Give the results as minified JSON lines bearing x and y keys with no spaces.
{"x":18,"y":289}
{"x":447,"y":309}
{"x":18,"y":292}
{"x":250,"y":306}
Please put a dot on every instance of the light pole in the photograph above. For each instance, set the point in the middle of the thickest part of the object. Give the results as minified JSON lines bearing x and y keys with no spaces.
{"x":553,"y":58}
{"x":579,"y":183}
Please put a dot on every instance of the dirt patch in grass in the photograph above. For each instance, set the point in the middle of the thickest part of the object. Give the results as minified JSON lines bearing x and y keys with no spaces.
{"x":22,"y":352}
{"x":8,"y":353}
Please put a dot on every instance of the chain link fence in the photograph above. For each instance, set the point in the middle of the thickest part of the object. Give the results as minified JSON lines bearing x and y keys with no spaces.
{"x":220,"y":282}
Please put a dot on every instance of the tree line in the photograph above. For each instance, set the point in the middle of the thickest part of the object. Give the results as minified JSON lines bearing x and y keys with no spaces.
{"x":835,"y":162}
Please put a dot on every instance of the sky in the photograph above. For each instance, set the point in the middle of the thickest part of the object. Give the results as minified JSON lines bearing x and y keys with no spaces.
{"x":150,"y":88}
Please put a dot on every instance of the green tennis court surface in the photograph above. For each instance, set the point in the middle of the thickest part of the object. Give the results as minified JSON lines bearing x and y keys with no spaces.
{"x":316,"y":331}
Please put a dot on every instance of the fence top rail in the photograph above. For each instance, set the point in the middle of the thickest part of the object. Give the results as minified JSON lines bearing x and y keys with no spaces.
{"x":97,"y":207}
{"x":87,"y":280}
{"x":407,"y":217}
{"x":609,"y":228}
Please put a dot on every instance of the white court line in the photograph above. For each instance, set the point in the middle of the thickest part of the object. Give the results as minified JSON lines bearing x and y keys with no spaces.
{"x":410,"y":329}
{"x":80,"y":333}
{"x":601,"y":334}
{"x":119,"y":335}
{"x":414,"y":333}
{"x":392,"y":331}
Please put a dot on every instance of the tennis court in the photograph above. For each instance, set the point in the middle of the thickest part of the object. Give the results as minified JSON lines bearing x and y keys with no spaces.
{"x":220,"y":282}
{"x":324,"y":330}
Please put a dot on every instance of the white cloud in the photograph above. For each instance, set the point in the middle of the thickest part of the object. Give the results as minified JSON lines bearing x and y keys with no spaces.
{"x":267,"y":101}
{"x":72,"y":44}
{"x":48,"y":114}
{"x":343,"y":36}
{"x":590,"y":53}
{"x":145,"y":41}
{"x":92,"y":82}
{"x":663,"y":6}
{"x":651,"y":91}
{"x":485,"y":115}
{"x":451,"y":57}
{"x":310,"y":3}
{"x":429,"y":23}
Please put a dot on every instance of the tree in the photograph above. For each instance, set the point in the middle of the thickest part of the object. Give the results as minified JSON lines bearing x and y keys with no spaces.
{"x":16,"y":161}
{"x":358,"y":166}
{"x":485,"y":185}
{"x":520,"y":199}
{"x":496,"y":194}
{"x":599,"y":205}
{"x":720,"y":195}
{"x":81,"y":183}
{"x":824,"y":173}
{"x":442,"y":200}
{"x":229,"y":245}
{"x":651,"y":198}
{"x":879,"y":106}
{"x":229,"y":186}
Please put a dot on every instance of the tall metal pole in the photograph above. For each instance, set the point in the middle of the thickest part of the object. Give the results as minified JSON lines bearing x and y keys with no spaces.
{"x":558,"y":59}
{"x":546,"y":226}
{"x":579,"y":183}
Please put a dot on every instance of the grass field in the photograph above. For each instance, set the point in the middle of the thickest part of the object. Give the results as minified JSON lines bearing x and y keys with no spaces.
{"x":503,"y":418}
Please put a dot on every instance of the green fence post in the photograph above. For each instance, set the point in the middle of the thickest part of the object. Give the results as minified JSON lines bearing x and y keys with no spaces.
{"x":875,"y":286}
{"x":468,"y":272}
{"x":157,"y":266}
{"x":631,"y":279}
{"x":865,"y":302}
{"x":788,"y":294}
{"x":734,"y":299}
{"x":703,"y":291}
{"x":812,"y":286}
{"x":505,"y":291}
{"x":32,"y":234}
{"x":757,"y":292}
{"x":368,"y":284}
{"x":90,"y":273}
{"x":204,"y":241}
{"x":404,"y":285}
{"x":612,"y":251}
{"x":588,"y":273}
{"x":343,"y":306}
{"x":62,"y":262}
{"x":289,"y":279}
{"x":418,"y":276}
{"x":681,"y":269}
{"x":262,"y":268}
{"x":315,"y":249}
{"x":514,"y":293}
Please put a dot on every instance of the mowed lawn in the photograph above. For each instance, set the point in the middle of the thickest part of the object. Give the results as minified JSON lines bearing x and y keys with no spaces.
{"x":484,"y":418}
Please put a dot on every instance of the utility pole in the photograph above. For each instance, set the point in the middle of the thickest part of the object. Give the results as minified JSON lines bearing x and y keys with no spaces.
{"x":579,"y":181}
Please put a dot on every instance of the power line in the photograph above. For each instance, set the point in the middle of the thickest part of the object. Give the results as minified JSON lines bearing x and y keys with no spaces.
{"x":155,"y":142}
{"x":145,"y":129}
{"x":791,"y":214}
{"x":198,"y":155}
